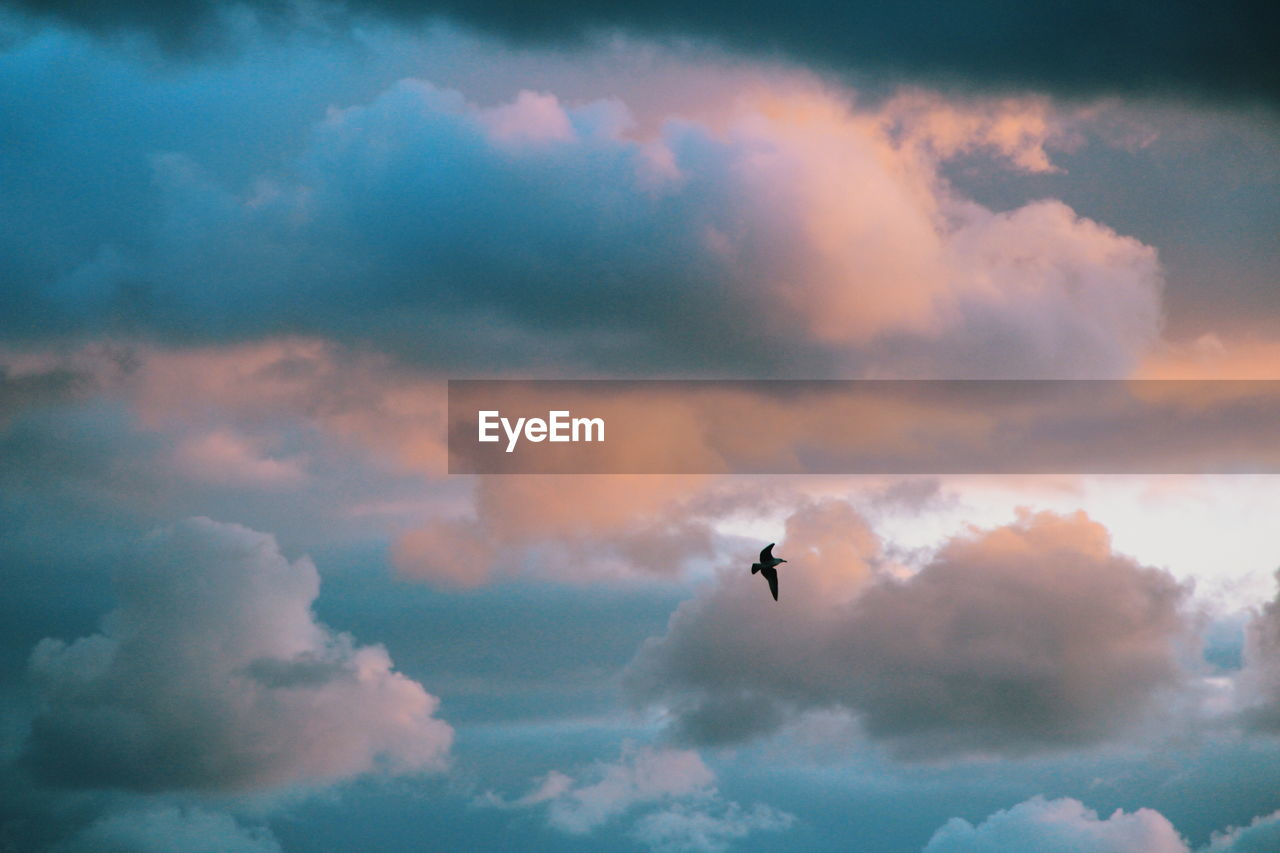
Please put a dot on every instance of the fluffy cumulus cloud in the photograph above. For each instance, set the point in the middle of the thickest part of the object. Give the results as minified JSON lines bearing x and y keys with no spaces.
{"x":672,"y":790}
{"x":213,"y":674}
{"x":787,"y":231}
{"x":164,"y":829}
{"x":1067,"y":826}
{"x":1031,"y":636}
{"x":1059,"y":826}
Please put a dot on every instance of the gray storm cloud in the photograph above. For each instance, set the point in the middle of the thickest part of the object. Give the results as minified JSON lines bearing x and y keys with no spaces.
{"x":213,"y":674}
{"x":1027,"y":637}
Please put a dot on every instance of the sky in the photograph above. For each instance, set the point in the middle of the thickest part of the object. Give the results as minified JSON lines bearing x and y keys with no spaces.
{"x":247,"y":608}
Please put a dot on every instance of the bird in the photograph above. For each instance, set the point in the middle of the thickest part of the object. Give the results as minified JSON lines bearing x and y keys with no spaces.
{"x":768,"y":567}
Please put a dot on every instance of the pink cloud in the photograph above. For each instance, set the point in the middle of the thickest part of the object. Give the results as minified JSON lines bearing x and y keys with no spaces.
{"x":532,"y":117}
{"x":1031,"y":636}
{"x":213,"y":674}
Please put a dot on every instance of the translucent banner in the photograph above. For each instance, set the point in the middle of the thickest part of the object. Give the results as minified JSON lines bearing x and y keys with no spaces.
{"x":863,"y":427}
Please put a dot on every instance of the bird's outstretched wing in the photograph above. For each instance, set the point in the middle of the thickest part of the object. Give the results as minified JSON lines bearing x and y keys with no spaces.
{"x":771,"y":575}
{"x":767,"y":554}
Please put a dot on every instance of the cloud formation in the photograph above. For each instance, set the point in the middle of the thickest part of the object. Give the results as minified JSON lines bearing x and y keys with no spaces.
{"x":790,"y":232}
{"x":572,"y":528}
{"x":213,"y":674}
{"x":675,"y":790}
{"x":1262,"y":834}
{"x":642,"y":776}
{"x":1059,"y":826}
{"x":1066,"y":826}
{"x":1022,"y":638}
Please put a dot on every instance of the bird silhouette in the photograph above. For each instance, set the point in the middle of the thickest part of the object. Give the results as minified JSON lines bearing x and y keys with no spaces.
{"x":768,"y":566}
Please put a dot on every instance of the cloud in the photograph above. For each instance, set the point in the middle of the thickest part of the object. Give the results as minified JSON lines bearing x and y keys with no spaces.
{"x":1099,"y":46}
{"x":673,"y":788}
{"x":296,"y":436}
{"x":213,"y":674}
{"x":163,"y":829}
{"x":1028,"y":637}
{"x":1209,"y":357}
{"x":1258,"y":684}
{"x":680,"y":828}
{"x":222,"y":456}
{"x":1066,"y":826}
{"x":786,"y":232}
{"x":1059,"y":826}
{"x":361,"y":399}
{"x":1020,"y":129}
{"x":642,"y":776}
{"x":1260,"y":836}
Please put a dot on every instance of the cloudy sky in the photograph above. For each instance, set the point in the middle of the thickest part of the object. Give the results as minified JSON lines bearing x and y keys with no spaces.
{"x":244,"y":245}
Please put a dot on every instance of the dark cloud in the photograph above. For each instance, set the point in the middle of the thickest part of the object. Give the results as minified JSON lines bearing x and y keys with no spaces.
{"x":1027,"y":637}
{"x":1083,"y":47}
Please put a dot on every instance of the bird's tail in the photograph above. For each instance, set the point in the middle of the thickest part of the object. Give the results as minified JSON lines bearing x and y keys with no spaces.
{"x":755,"y":567}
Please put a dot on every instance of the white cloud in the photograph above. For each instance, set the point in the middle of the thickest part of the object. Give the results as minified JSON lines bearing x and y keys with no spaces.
{"x":1262,"y":835}
{"x":1066,"y":826}
{"x":1059,"y":826}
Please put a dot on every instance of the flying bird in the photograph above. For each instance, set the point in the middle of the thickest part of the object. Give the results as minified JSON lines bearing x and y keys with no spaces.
{"x":768,"y":567}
